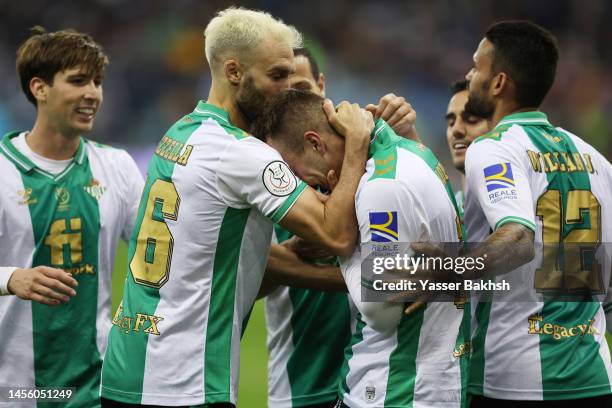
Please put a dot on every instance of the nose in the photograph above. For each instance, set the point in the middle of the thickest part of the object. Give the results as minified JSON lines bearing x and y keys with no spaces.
{"x":93,"y":91}
{"x":458,"y":129}
{"x":469,"y":75}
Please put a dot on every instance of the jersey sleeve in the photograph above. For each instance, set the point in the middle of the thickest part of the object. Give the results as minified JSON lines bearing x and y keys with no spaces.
{"x":134,"y":184}
{"x":496,"y":178}
{"x":387,"y":212}
{"x":252,"y":174}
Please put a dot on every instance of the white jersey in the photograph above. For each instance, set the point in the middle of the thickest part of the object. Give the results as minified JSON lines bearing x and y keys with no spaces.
{"x":395,"y":360}
{"x":196,"y":261}
{"x":72,"y":220}
{"x":528,"y":172}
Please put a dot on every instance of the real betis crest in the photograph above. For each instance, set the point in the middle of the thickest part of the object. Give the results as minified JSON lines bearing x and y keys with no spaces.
{"x":94,"y":189}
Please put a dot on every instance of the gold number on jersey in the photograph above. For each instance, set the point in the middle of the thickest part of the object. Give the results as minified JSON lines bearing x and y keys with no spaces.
{"x":59,"y":237}
{"x":583,"y":272}
{"x":150,"y":264}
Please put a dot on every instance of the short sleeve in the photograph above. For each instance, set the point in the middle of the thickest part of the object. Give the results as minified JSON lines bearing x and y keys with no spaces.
{"x":497,"y":180}
{"x":388,"y":212}
{"x":253,"y":174}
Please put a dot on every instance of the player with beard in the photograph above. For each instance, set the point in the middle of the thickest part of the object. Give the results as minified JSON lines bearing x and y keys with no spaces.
{"x":305,"y":314}
{"x":198,"y":252}
{"x":530,"y":181}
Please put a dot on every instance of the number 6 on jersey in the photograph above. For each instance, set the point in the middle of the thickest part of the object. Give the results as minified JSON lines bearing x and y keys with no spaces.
{"x":150,"y":264}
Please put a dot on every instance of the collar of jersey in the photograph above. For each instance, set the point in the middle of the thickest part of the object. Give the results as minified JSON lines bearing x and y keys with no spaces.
{"x":26,"y":165}
{"x":206,"y":109}
{"x":378,"y":139}
{"x":525,"y":118}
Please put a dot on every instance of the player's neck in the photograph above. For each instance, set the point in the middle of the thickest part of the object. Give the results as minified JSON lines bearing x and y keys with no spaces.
{"x":225,"y":101}
{"x":505,"y":108}
{"x":48,"y":141}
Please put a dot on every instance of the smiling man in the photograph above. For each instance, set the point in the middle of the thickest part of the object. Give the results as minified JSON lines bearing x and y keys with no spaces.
{"x":462,"y":128}
{"x":64,"y":203}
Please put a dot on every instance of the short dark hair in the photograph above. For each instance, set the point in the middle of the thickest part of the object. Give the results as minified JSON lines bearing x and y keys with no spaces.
{"x":528,"y":53}
{"x":289,"y":116}
{"x":314,"y":67}
{"x":459,"y":86}
{"x":44,"y":54}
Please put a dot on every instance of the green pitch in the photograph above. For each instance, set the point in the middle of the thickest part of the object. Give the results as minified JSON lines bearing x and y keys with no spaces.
{"x":253,"y":355}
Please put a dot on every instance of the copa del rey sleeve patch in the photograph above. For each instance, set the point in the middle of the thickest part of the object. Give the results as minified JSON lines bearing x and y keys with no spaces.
{"x":279,"y":179}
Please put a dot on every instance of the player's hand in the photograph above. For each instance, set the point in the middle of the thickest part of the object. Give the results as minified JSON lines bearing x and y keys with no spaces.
{"x":418,"y":298}
{"x":351,"y":121}
{"x":398,"y":113}
{"x":42,"y":284}
{"x":306,"y":250}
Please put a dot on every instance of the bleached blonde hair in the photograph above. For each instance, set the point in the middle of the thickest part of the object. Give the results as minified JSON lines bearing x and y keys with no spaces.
{"x":234,"y":31}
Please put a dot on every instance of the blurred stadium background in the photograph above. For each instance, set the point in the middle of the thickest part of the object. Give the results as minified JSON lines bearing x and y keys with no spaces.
{"x":365,"y":48}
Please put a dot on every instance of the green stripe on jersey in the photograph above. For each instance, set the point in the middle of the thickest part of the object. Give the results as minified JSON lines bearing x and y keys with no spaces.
{"x":217,"y":354}
{"x":66,"y":227}
{"x":477,"y":361}
{"x":402,"y":361}
{"x":569,"y":363}
{"x":127,"y":347}
{"x":318,"y":318}
{"x":348,"y":354}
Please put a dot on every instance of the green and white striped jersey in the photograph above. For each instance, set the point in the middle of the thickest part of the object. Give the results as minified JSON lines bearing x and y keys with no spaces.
{"x":526,"y":171}
{"x":196,"y":261}
{"x":73,"y":221}
{"x":395,"y":360}
{"x":307,"y":333}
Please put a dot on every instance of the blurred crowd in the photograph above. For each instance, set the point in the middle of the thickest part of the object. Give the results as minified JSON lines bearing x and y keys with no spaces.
{"x":365,"y":48}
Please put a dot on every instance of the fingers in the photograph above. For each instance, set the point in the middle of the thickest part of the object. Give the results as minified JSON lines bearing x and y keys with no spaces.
{"x":332,"y":179}
{"x":414,"y":306}
{"x":328,"y":107}
{"x":58,"y":287}
{"x":35,"y":297}
{"x":48,"y":288}
{"x":61,"y":276}
{"x":404,"y":113}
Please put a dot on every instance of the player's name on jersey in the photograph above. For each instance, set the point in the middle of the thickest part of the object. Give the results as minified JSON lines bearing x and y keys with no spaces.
{"x":537,"y":325}
{"x":173,"y":150}
{"x":552,"y":162}
{"x":143,"y":323}
{"x":429,"y":285}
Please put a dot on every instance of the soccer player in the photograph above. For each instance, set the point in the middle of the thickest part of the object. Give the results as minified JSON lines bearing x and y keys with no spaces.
{"x":65,"y":203}
{"x":461,"y":129}
{"x":198,"y":254}
{"x":530,"y":181}
{"x":392,"y":360}
{"x":300,"y":373}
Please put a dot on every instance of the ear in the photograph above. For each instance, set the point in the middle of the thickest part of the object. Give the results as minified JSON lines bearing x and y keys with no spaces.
{"x":38,"y":87}
{"x":500,"y":83}
{"x":233,"y":71}
{"x":312,"y":140}
{"x":321,"y":84}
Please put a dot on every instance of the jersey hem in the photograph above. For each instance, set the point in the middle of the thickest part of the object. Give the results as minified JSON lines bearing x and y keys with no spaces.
{"x":303,"y":400}
{"x":537,"y":395}
{"x":162,"y":399}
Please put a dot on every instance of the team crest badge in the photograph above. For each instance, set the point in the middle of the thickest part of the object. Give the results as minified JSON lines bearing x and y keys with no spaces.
{"x":279,"y":179}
